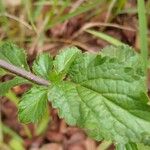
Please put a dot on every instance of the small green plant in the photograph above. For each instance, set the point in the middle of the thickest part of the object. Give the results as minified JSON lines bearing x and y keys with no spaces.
{"x":105,"y":93}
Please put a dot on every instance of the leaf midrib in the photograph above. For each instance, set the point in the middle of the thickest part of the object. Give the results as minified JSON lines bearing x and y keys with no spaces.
{"x":76,"y":84}
{"x":95,"y":114}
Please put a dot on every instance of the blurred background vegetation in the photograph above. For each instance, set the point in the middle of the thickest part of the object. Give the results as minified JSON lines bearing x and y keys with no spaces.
{"x":47,"y":26}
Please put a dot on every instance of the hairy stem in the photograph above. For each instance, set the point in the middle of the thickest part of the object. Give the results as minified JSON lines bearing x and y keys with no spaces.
{"x":23,"y":73}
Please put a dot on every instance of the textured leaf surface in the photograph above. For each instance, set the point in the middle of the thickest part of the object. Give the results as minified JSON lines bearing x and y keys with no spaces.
{"x":128,"y":146}
{"x":106,"y":97}
{"x":5,"y":86}
{"x":33,"y":105}
{"x":123,"y":53}
{"x":43,"y":65}
{"x":64,"y":60}
{"x":14,"y":55}
{"x":143,"y":147}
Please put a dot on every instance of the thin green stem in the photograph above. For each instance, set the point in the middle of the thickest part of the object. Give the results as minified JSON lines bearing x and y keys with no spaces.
{"x":13,"y":98}
{"x":12,"y":133}
{"x":143,"y":32}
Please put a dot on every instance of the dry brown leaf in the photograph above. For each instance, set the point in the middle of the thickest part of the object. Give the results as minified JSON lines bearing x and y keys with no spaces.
{"x":52,"y":146}
{"x":12,"y":2}
{"x":90,"y":144}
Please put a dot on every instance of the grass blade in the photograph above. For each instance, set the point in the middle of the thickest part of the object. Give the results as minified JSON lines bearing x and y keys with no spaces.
{"x":143,"y":32}
{"x":82,"y":9}
{"x":105,"y":37}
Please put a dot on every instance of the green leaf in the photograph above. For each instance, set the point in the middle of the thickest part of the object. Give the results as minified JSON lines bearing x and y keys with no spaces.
{"x":42,"y":66}
{"x":64,"y":60}
{"x":2,"y":72}
{"x":106,"y":97}
{"x":5,"y":86}
{"x":14,"y":55}
{"x":104,"y":145}
{"x":123,"y":53}
{"x":143,"y":147}
{"x":43,"y":123}
{"x":33,"y":105}
{"x":128,"y":146}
